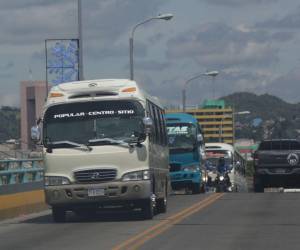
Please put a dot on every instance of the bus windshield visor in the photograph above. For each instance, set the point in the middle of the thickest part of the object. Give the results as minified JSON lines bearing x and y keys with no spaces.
{"x":181,"y":136}
{"x":99,"y":121}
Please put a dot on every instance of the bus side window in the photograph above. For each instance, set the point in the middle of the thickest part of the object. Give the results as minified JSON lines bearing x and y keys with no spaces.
{"x":153,"y":134}
{"x":156,"y":122}
{"x":164,"y":129}
{"x":200,"y":132}
{"x":161,"y":127}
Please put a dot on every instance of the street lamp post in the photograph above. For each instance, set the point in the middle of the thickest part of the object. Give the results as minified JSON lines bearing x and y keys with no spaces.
{"x":80,"y":55}
{"x":161,"y":17}
{"x":209,"y":73}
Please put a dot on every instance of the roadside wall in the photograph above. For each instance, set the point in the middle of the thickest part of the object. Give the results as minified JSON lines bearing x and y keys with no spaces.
{"x":21,"y":199}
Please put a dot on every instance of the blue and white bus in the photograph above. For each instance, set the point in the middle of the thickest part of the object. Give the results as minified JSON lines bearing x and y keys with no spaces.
{"x":186,"y":152}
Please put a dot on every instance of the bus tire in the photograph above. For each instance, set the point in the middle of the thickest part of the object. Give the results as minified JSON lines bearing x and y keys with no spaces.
{"x":147,"y":209}
{"x":203,"y":188}
{"x":58,"y":214}
{"x":196,"y":189}
{"x":161,"y":205}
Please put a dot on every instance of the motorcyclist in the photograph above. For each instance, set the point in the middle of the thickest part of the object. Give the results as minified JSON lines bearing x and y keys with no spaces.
{"x":223,"y":170}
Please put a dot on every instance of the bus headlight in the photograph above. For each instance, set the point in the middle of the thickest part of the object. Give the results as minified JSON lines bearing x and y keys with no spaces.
{"x":56,"y":181}
{"x":137,"y":176}
{"x":193,"y":168}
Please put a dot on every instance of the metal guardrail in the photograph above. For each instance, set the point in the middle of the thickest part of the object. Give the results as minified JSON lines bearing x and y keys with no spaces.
{"x":21,"y":171}
{"x":247,"y":166}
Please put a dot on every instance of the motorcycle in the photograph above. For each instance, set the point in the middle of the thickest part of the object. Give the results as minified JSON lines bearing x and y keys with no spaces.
{"x":223,"y":183}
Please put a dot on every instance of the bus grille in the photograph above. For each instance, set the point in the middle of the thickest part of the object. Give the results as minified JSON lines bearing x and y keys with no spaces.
{"x":174,"y":167}
{"x":95,"y":175}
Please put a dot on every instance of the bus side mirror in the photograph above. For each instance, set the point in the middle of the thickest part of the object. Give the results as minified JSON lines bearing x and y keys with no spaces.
{"x":35,"y":133}
{"x":199,"y":138}
{"x":148,"y":123}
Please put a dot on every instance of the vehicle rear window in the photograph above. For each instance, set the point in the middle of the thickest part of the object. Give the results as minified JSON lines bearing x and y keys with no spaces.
{"x":279,"y":145}
{"x":265,"y":146}
{"x":295,"y":145}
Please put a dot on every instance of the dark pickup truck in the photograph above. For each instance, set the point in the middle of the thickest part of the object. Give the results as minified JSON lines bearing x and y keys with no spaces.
{"x":276,"y":164}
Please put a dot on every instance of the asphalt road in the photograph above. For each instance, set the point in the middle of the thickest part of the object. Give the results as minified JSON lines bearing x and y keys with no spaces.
{"x":212,"y":221}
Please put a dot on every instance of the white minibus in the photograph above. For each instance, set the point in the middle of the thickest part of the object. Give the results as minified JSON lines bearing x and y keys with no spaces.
{"x":105,"y":145}
{"x":233,"y":160}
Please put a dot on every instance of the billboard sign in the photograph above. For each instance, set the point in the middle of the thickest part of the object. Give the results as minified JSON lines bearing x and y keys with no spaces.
{"x":62,"y":60}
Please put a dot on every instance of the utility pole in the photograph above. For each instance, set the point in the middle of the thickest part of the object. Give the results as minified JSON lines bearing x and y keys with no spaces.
{"x":80,"y":58}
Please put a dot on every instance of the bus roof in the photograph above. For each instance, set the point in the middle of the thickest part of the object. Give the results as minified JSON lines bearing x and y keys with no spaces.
{"x":180,"y":118}
{"x":98,"y":89}
{"x":218,"y":146}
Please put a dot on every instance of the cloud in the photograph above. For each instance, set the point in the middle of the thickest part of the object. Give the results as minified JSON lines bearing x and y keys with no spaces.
{"x":38,"y":55}
{"x":113,"y":49}
{"x":117,"y":17}
{"x":17,"y":5}
{"x":9,"y":100}
{"x":6,"y":75}
{"x":156,"y":37}
{"x":238,"y":3}
{"x":290,"y":21}
{"x":7,"y":66}
{"x":37,"y":23}
{"x":5,"y":70}
{"x":227,"y":82}
{"x":151,"y":65}
{"x":58,"y":19}
{"x":286,"y":86}
{"x":219,"y":45}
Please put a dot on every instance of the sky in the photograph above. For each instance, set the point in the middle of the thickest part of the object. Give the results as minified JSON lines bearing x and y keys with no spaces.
{"x":254,"y":44}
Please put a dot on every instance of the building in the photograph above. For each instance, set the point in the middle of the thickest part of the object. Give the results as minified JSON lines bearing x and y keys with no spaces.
{"x":216,"y":120}
{"x":32,"y":99}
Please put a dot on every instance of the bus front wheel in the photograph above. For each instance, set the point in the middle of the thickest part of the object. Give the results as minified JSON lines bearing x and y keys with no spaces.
{"x":148,"y":209}
{"x":162,"y":203}
{"x":58,"y":214}
{"x":196,"y":189}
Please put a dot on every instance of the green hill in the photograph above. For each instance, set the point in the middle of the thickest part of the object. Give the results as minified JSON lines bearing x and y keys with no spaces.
{"x":9,"y":123}
{"x":270,"y":116}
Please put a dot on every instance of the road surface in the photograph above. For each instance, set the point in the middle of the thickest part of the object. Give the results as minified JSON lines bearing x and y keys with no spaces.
{"x":212,"y":221}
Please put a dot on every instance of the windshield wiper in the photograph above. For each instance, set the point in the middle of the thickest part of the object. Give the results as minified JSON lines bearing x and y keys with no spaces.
{"x":110,"y":141}
{"x":74,"y":145}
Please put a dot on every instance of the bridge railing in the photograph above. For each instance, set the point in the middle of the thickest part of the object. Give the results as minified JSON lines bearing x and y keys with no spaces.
{"x":21,"y":171}
{"x":242,"y":162}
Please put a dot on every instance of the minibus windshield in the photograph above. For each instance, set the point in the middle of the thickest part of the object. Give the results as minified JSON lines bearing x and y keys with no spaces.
{"x":181,"y":136}
{"x":213,"y":156}
{"x":90,"y":122}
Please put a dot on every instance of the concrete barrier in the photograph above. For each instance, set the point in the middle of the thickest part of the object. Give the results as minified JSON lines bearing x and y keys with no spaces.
{"x":21,"y":203}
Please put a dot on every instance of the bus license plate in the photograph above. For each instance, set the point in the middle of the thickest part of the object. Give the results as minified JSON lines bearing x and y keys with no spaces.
{"x":96,"y":192}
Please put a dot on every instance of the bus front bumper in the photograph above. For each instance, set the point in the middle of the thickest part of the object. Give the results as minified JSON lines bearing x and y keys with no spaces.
{"x":181,"y":179}
{"x":112,"y":193}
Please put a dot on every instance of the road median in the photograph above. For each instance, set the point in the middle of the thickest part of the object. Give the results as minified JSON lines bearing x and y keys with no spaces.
{"x":13,"y":205}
